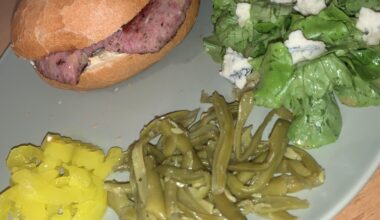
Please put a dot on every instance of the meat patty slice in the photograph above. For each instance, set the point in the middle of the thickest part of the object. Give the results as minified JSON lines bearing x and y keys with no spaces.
{"x":148,"y":32}
{"x":156,"y":24}
{"x":64,"y":67}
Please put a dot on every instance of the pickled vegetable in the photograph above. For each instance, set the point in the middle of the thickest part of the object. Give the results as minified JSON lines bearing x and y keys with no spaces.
{"x":61,"y":179}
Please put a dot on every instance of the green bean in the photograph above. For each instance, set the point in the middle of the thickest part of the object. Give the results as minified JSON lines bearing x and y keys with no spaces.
{"x":201,"y":192}
{"x":283,"y":184}
{"x":211,"y":114}
{"x":283,"y":167}
{"x":181,"y":168}
{"x":169,"y":146}
{"x":246,"y":137}
{"x":284,"y":114}
{"x":204,"y":134}
{"x":185,"y":176}
{"x":317,"y":176}
{"x":155,"y":203}
{"x":277,"y":186}
{"x":118,"y":187}
{"x":299,"y":168}
{"x":270,"y":204}
{"x":227,"y":208}
{"x":123,"y":207}
{"x":252,"y":166}
{"x":203,"y":155}
{"x":258,"y":136}
{"x":195,"y":215}
{"x":278,"y":140}
{"x":170,"y":194}
{"x":190,"y":158}
{"x":177,"y":139}
{"x":155,"y":152}
{"x":293,"y":184}
{"x":139,"y":168}
{"x":185,"y":197}
{"x":244,"y":177}
{"x":223,"y":148}
{"x":281,"y":215}
{"x":174,"y":160}
{"x":185,"y":118}
{"x":245,"y":108}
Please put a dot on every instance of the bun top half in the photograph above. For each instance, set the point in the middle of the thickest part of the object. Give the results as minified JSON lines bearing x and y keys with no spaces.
{"x":40,"y":27}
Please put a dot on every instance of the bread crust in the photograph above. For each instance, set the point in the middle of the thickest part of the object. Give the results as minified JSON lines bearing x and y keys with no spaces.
{"x":41,"y":27}
{"x":124,"y":66}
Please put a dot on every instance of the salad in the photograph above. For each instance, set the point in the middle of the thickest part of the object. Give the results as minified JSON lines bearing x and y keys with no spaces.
{"x":304,"y":55}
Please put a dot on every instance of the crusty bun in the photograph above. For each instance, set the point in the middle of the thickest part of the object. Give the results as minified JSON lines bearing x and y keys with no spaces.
{"x":42,"y":27}
{"x":110,"y":68}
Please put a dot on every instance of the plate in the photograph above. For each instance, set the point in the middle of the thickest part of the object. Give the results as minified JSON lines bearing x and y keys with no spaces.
{"x":29,"y":109}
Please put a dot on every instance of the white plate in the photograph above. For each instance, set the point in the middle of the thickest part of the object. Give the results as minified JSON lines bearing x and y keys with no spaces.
{"x":29,"y":109}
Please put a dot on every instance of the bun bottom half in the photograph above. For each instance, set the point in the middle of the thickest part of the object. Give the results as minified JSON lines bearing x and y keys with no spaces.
{"x":121,"y":67}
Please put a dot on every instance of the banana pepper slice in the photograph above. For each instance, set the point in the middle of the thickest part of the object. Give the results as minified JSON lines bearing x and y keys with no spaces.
{"x":61,"y":179}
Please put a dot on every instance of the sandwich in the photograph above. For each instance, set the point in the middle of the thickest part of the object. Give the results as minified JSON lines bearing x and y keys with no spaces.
{"x":90,"y":44}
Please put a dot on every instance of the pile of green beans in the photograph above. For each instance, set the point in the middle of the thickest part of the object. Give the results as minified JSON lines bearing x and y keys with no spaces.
{"x":182,"y":167}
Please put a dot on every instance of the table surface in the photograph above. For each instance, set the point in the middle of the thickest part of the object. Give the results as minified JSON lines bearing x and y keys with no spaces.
{"x":363,"y":207}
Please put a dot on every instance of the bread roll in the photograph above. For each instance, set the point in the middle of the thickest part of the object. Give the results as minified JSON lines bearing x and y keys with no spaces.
{"x":63,"y":28}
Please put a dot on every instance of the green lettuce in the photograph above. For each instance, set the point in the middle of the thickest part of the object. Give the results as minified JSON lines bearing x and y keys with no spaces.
{"x":319,"y":123}
{"x":352,"y":7}
{"x":308,"y":89}
{"x":268,"y":23}
{"x":332,"y":26}
{"x":275,"y":71}
{"x":349,"y":71}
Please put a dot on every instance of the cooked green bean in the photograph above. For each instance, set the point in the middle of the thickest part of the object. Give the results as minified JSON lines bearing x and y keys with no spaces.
{"x":139,"y":168}
{"x":118,"y":187}
{"x":278,"y":141}
{"x":213,"y":168}
{"x":228,"y":208}
{"x":185,"y":118}
{"x":155,"y":203}
{"x":252,"y":166}
{"x":155,"y":152}
{"x":269,"y":204}
{"x":223,"y":149}
{"x":317,"y":176}
{"x":245,"y":108}
{"x":281,"y":215}
{"x":185,"y":176}
{"x":123,"y":207}
{"x":195,"y":215}
{"x":204,"y":134}
{"x":299,"y":168}
{"x":170,"y":193}
{"x":185,"y":197}
{"x":257,"y":137}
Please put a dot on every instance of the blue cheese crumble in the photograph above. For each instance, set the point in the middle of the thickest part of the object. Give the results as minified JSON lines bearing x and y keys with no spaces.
{"x":310,"y":7}
{"x":243,"y":13}
{"x":369,"y":23}
{"x":236,"y":68}
{"x":303,"y":49}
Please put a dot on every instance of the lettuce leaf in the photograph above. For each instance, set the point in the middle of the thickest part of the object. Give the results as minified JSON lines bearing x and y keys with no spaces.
{"x":308,"y":91}
{"x":310,"y":96}
{"x":268,"y":23}
{"x":275,"y":71}
{"x":366,"y":62}
{"x":332,"y":26}
{"x":352,"y":7}
{"x":319,"y":123}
